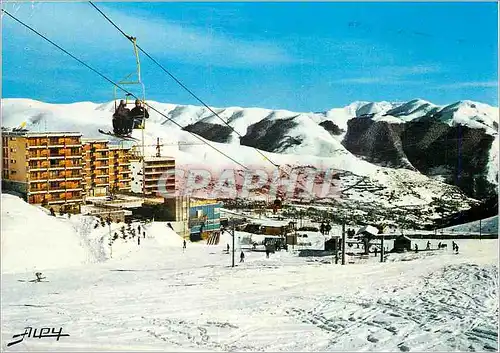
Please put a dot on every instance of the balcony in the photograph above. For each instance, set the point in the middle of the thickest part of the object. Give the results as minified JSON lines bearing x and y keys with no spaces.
{"x":37,"y":142}
{"x":160,"y":165}
{"x":33,"y":177}
{"x":37,"y":156}
{"x":57,"y":178}
{"x":153,"y":172}
{"x":74,"y":189}
{"x":56,"y":142}
{"x":38,"y":167}
{"x":59,"y":201}
{"x":33,"y":147}
{"x":37,"y":191}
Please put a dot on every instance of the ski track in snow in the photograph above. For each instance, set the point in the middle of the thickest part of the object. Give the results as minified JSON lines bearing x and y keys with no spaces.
{"x":162,"y":298}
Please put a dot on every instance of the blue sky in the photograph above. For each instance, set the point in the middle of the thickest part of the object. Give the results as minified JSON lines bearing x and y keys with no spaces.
{"x":295,"y":56}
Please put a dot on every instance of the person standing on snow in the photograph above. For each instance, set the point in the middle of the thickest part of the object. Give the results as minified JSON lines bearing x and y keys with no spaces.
{"x":184,"y":245}
{"x":228,"y":248}
{"x":242,"y":256}
{"x":322,"y":228}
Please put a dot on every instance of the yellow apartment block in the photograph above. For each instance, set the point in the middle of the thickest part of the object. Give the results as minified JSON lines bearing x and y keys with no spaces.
{"x":95,"y":155}
{"x":119,"y":169}
{"x":45,"y":168}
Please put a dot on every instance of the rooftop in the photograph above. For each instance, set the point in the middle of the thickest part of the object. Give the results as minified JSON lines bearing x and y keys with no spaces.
{"x":26,"y":133}
{"x":90,"y":140}
{"x":270,"y":222}
{"x":118,"y":147}
{"x":158,"y":159}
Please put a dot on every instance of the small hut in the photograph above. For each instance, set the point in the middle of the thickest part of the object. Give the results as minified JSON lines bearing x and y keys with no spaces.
{"x":367,"y":231}
{"x":402,"y":243}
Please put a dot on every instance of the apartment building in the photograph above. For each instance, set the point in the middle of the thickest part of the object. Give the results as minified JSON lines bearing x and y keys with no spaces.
{"x":153,"y":176}
{"x":95,"y":153}
{"x":120,"y":174}
{"x":45,"y":168}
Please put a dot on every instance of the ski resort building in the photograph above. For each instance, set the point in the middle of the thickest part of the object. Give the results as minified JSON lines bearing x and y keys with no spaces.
{"x":178,"y":208}
{"x":45,"y":168}
{"x":204,"y":218}
{"x":120,"y":174}
{"x":96,"y":167}
{"x":157,"y":177}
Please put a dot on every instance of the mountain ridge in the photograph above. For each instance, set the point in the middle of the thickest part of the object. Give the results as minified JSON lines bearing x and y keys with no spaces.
{"x":380,"y":151}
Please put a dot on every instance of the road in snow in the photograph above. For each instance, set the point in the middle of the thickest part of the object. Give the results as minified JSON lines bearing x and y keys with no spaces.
{"x":165,"y":299}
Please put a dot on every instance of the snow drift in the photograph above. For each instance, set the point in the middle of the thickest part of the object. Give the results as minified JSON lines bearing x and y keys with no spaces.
{"x":33,"y":240}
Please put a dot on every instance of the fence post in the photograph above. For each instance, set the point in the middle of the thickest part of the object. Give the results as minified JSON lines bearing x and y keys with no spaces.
{"x":343,"y":243}
{"x":382,"y":249}
{"x":232,"y":232}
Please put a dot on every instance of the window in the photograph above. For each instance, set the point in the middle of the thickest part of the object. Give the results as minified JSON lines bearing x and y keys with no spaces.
{"x":13,"y":172}
{"x":12,"y":161}
{"x":13,"y":149}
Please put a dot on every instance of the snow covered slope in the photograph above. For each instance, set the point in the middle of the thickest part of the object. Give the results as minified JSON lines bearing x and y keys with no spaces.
{"x":488,"y":226}
{"x":169,"y":300}
{"x":33,"y":240}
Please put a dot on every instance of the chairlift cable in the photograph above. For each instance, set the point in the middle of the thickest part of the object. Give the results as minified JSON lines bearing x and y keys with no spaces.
{"x":178,"y":81}
{"x":115,"y":84}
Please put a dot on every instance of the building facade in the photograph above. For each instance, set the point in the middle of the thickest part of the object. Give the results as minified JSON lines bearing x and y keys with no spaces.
{"x":120,"y":174}
{"x":96,"y":166}
{"x":45,"y":168}
{"x":179,"y":214}
{"x":153,"y":176}
{"x":204,"y":218}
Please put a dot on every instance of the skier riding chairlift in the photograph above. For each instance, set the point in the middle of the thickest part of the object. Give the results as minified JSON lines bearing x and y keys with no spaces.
{"x":121,"y":119}
{"x":138,"y":114}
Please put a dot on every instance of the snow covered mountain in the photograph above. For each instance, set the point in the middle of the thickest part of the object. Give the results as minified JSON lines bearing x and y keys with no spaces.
{"x":457,"y":143}
{"x":369,"y":143}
